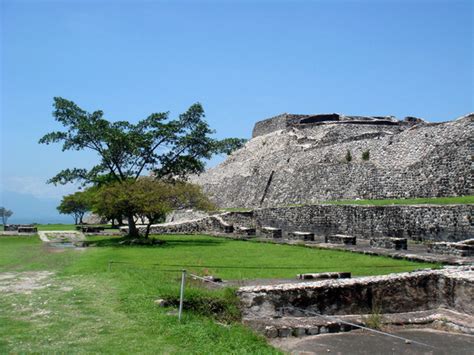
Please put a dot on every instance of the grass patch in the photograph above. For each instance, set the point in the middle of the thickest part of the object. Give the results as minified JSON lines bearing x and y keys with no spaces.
{"x":409,"y":201}
{"x":64,"y":227}
{"x":89,"y":307}
{"x":401,"y":201}
{"x":235,"y":209}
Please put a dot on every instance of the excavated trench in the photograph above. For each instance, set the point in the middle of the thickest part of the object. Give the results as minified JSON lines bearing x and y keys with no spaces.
{"x":422,"y":298}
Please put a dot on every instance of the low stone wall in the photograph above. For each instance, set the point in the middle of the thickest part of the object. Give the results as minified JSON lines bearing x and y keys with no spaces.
{"x":435,"y":223}
{"x":406,"y":292}
{"x":389,"y":243}
{"x":415,"y":222}
{"x":15,"y":227}
{"x":464,"y":248}
{"x":206,"y":224}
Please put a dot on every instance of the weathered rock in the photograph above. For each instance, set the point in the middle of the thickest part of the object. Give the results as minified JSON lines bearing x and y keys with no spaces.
{"x":340,"y":239}
{"x":324,"y":276}
{"x":452,"y":288}
{"x":301,"y":159}
{"x":389,"y":243}
{"x":462,"y":248}
{"x":270,"y":232}
{"x":307,"y":236}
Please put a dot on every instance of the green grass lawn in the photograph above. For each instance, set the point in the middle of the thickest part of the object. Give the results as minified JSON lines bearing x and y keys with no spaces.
{"x":409,"y":201}
{"x":62,"y":227}
{"x":88,"y":307}
{"x":401,"y":201}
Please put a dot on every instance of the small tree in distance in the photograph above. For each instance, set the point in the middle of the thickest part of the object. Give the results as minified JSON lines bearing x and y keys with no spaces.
{"x":76,"y":204}
{"x":149,"y":199}
{"x":171,"y":149}
{"x":5,"y":214}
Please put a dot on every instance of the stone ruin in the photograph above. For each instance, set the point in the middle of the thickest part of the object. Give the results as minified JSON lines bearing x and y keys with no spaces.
{"x":21,"y":228}
{"x":63,"y":238}
{"x":302,"y":159}
{"x":424,"y":298}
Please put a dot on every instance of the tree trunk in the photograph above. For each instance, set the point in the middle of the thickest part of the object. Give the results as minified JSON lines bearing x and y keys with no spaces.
{"x":147,"y":230}
{"x":132,"y":228}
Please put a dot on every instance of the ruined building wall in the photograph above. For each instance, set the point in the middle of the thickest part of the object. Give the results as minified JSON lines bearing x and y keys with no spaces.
{"x":288,"y":164}
{"x":422,"y":222}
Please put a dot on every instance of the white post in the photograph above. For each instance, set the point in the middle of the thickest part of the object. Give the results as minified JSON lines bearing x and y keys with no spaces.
{"x":181,"y":294}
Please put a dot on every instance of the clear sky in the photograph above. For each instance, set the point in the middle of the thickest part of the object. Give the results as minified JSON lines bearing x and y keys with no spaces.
{"x":243,"y":60}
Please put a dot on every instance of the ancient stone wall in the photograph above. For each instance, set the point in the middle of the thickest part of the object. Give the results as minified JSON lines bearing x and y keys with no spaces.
{"x":406,"y":292}
{"x":308,"y":163}
{"x":421,"y":222}
{"x":274,"y":124}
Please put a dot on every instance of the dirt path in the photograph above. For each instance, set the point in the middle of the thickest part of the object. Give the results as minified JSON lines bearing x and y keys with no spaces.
{"x":24,"y":282}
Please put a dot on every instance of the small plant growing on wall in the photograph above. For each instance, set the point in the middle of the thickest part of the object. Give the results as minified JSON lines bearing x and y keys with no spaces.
{"x":348,"y":156}
{"x":366,"y":155}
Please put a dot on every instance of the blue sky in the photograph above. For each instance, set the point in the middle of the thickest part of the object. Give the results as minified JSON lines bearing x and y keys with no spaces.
{"x":243,"y":60}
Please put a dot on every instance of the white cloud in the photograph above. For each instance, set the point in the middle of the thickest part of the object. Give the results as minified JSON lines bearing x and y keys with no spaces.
{"x":36,"y":186}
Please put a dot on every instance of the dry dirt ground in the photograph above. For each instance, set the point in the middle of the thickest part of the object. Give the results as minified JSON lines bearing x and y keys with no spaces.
{"x":24,"y":282}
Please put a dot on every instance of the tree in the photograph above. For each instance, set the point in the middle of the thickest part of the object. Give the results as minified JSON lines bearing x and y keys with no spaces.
{"x":76,"y":204}
{"x":5,"y":214}
{"x":167,"y":148}
{"x":149,"y":199}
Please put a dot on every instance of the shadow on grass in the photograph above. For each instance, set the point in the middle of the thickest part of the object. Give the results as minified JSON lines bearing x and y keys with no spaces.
{"x":121,"y":242}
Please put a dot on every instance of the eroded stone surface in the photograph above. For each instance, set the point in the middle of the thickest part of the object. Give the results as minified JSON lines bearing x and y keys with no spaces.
{"x":301,"y":164}
{"x":450,"y":287}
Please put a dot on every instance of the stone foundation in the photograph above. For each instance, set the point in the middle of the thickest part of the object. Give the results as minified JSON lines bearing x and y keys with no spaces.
{"x":340,"y":239}
{"x":415,"y":222}
{"x":16,"y":227}
{"x":306,"y":236}
{"x":270,"y":232}
{"x":389,"y":243}
{"x":463,"y":248}
{"x":451,"y":288}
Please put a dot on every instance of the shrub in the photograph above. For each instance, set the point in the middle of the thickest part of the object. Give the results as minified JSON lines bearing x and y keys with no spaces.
{"x":348,"y":156}
{"x":366,"y":155}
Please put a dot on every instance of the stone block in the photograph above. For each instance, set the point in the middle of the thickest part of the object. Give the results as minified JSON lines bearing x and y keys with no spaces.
{"x":270,"y":232}
{"x":312,"y":330}
{"x":325,"y":275}
{"x":340,"y":239}
{"x":271,"y":332}
{"x":15,"y":227}
{"x":27,"y":230}
{"x":299,"y":332}
{"x":306,"y":236}
{"x":463,"y":248}
{"x":284,"y":332}
{"x":389,"y":243}
{"x":228,"y":228}
{"x":245,"y":230}
{"x":90,"y":229}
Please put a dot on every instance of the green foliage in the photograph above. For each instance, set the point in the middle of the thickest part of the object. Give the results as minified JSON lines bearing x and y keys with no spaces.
{"x":366,"y":155}
{"x":5,"y":214}
{"x":222,"y":306}
{"x":348,"y":156}
{"x":171,"y":149}
{"x":76,"y":204}
{"x":148,"y":199}
{"x":375,"y":318}
{"x":168,"y":147}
